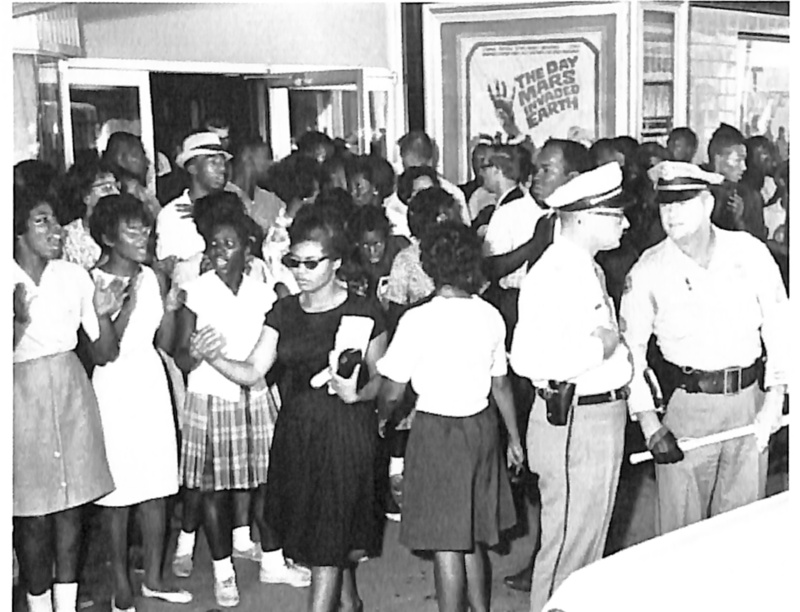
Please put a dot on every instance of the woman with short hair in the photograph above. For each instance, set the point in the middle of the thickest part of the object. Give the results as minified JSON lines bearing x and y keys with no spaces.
{"x":59,"y":456}
{"x":456,"y":494}
{"x":228,"y":425}
{"x":136,"y":416}
{"x":320,"y":489}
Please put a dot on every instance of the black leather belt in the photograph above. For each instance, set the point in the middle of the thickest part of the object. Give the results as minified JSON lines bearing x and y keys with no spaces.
{"x":598,"y":398}
{"x":718,"y":382}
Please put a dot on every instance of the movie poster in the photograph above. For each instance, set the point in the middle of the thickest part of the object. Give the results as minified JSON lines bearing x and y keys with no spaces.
{"x":764,"y":69}
{"x":532,"y":87}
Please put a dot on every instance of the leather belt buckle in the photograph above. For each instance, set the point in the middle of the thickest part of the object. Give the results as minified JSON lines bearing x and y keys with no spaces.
{"x":731,"y":381}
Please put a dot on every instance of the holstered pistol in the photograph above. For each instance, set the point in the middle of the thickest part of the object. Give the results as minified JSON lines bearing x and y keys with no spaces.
{"x":559,"y":397}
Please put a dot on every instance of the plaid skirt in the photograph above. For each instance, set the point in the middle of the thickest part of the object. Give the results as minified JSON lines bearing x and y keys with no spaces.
{"x":225,"y":445}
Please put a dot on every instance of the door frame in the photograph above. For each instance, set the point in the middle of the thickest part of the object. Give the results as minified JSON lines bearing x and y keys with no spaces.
{"x":125,"y":72}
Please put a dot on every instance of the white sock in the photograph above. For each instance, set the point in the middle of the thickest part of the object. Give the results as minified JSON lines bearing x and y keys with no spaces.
{"x":40,"y":603}
{"x":65,"y":596}
{"x":241,"y":538}
{"x":272,"y":558}
{"x":185,"y":543}
{"x":223,"y":569}
{"x":396,"y":465}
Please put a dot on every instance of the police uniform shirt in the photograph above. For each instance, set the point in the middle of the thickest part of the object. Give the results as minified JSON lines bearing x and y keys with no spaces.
{"x":511,"y":226}
{"x":563,"y":300}
{"x":706,"y":318}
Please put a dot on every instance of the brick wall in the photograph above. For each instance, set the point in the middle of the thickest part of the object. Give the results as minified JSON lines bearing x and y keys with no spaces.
{"x":713,"y":69}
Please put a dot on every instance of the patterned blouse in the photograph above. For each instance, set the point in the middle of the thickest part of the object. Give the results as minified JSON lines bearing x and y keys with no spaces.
{"x":79,"y":246}
{"x":408,"y":282}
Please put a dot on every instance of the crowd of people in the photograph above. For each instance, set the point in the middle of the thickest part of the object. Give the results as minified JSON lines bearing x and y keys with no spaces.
{"x":284,"y":353}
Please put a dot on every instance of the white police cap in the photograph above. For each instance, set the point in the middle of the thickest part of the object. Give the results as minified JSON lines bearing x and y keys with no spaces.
{"x":598,"y":188}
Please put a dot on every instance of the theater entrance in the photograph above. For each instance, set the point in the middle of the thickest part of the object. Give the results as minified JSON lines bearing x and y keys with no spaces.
{"x":163,"y":101}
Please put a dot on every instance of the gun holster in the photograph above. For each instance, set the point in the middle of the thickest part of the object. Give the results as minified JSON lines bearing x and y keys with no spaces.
{"x":559,"y":397}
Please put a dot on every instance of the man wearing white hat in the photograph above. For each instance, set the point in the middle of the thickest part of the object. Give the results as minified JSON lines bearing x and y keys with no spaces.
{"x":204,"y":159}
{"x":710,"y":297}
{"x":567,"y":343}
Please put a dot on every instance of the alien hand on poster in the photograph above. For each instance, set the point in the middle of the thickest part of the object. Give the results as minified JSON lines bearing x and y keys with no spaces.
{"x":504,"y":107}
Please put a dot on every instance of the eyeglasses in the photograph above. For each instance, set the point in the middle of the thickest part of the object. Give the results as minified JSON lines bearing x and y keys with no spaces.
{"x":106,"y":187}
{"x":309,"y":264}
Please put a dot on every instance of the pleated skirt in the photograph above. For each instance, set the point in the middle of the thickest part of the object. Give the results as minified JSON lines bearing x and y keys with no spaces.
{"x":226,"y":445}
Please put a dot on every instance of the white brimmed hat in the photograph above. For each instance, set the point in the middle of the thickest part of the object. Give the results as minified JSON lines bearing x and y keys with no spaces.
{"x":598,"y":188}
{"x":680,"y":181}
{"x":202,"y":143}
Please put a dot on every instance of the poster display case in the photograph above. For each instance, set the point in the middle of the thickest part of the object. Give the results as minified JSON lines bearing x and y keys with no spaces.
{"x":524,"y":72}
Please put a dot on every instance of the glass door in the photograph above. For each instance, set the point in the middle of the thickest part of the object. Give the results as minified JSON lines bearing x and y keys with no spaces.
{"x":354,"y":105}
{"x":98,"y":102}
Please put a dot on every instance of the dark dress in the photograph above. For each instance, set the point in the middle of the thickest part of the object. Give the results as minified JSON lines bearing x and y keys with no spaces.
{"x":320,"y":496}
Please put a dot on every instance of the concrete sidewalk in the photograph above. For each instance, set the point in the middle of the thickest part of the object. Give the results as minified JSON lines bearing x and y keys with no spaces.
{"x":397,"y":581}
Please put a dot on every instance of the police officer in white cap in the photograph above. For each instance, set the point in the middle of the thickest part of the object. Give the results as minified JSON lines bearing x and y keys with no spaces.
{"x":567,"y":343}
{"x":711,"y":297}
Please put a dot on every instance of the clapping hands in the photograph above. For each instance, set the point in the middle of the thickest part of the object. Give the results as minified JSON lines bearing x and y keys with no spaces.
{"x":109,"y":298}
{"x":206,"y":343}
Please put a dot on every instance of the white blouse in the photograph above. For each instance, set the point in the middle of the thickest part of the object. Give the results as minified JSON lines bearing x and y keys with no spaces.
{"x":449,"y":349}
{"x":238,"y":318}
{"x":61,"y":303}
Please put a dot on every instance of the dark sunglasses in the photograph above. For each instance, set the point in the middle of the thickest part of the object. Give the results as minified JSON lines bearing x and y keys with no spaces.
{"x":310,"y":264}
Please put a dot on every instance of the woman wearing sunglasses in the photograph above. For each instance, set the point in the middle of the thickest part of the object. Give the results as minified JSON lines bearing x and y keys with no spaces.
{"x":227,"y":425}
{"x":320,"y":493}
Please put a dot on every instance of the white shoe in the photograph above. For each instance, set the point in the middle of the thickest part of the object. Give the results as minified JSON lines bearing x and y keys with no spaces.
{"x":226,"y":592}
{"x":286,"y":573}
{"x":182,"y":566}
{"x":300,"y":568}
{"x":251,"y":554}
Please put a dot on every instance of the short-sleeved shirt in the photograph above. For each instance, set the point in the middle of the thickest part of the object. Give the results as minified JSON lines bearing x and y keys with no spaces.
{"x":449,"y":349}
{"x":61,"y":303}
{"x":706,"y":318}
{"x":562,"y":301}
{"x":305,"y":340}
{"x":511,"y":226}
{"x":238,"y":318}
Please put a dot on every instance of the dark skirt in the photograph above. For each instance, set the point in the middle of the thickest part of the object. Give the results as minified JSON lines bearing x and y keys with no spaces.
{"x":320,"y":495}
{"x":455,"y":486}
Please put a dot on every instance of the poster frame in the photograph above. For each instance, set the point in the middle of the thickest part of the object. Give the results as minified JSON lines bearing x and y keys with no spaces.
{"x":434,"y":16}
